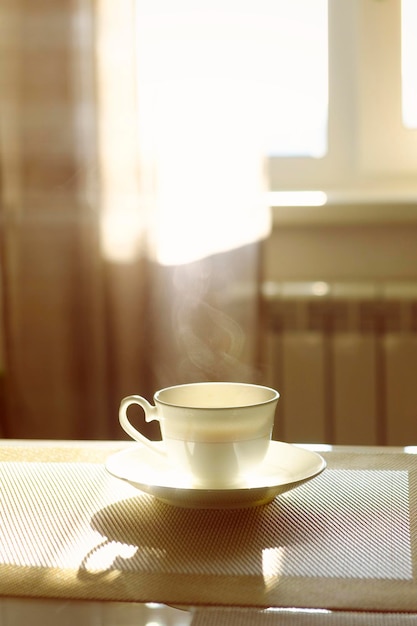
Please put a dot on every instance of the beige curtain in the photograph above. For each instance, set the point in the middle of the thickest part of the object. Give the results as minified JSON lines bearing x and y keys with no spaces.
{"x":80,"y":326}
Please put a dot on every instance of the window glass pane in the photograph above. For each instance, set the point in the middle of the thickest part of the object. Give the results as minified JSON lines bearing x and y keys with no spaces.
{"x":299,"y":67}
{"x":409,"y":62}
{"x":276,"y":49}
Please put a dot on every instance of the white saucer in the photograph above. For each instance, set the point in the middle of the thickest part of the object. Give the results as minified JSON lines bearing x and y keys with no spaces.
{"x":285,"y":467}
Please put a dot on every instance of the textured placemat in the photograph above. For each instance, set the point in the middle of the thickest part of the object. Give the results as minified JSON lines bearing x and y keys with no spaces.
{"x":345,"y":540}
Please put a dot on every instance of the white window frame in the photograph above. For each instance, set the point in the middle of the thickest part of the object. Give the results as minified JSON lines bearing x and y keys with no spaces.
{"x":372,"y":157}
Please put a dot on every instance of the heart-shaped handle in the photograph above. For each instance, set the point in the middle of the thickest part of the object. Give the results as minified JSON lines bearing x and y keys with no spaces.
{"x":151,"y":413}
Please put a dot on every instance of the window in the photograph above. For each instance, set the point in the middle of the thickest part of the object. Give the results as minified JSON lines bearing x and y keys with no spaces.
{"x":371,"y":155}
{"x":275,"y":47}
{"x":328,"y":75}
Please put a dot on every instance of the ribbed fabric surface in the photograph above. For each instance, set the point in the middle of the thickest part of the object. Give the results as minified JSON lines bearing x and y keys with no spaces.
{"x":345,"y":540}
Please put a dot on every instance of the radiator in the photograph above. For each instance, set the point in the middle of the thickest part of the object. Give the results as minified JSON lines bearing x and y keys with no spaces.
{"x":344,"y":358}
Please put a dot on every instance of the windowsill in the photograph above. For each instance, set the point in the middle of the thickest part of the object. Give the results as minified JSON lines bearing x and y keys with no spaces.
{"x":350,"y":207}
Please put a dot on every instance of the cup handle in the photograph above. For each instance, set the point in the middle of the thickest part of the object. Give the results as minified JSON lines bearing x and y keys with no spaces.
{"x":150,"y":414}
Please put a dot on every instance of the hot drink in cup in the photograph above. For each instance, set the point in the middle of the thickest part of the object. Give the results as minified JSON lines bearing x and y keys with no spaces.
{"x":215,"y":433}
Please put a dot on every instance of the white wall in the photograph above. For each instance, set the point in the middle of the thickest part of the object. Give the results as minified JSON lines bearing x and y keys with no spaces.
{"x":342,"y":249}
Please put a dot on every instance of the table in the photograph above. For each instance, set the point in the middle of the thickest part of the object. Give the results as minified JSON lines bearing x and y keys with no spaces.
{"x":340,"y":545}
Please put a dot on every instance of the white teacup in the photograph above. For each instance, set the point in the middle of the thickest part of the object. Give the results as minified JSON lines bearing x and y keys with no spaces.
{"x":216,"y":433}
